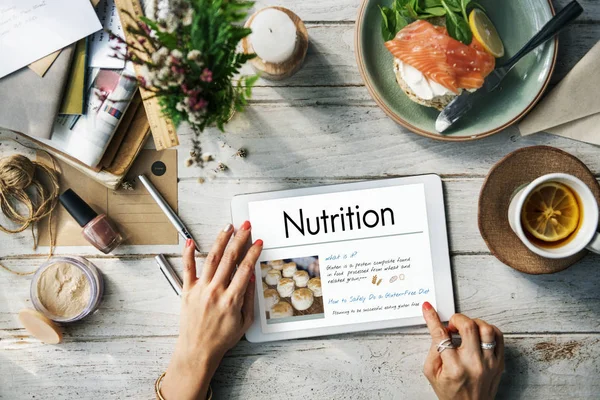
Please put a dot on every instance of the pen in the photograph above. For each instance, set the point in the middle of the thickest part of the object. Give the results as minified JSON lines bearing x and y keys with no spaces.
{"x":169,"y":273}
{"x":171,"y":215}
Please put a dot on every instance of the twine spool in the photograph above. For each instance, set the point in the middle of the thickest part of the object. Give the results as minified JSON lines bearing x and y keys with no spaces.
{"x":32,"y":185}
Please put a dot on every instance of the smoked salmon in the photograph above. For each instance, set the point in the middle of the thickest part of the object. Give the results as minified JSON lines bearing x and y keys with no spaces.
{"x":442,"y":59}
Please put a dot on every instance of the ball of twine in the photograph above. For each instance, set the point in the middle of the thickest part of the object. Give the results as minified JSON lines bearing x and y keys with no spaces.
{"x":16,"y":172}
{"x":20,"y":185}
{"x":29,"y":192}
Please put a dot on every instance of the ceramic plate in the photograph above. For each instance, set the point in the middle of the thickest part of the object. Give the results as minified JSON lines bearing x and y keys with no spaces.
{"x":516,"y":20}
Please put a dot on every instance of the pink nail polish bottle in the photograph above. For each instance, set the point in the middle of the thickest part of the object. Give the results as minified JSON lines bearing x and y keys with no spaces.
{"x":99,"y":230}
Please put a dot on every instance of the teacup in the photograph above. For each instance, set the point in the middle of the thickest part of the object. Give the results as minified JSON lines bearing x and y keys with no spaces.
{"x":585,"y":236}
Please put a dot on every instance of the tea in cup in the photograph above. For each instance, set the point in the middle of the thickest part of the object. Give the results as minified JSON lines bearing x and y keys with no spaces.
{"x":555,"y":216}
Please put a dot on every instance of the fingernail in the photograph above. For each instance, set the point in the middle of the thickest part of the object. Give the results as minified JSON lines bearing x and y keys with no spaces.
{"x":252,"y":278}
{"x":189,"y":243}
{"x":427,"y":306}
{"x":259,"y":242}
{"x":245,"y":226}
{"x":227,"y":228}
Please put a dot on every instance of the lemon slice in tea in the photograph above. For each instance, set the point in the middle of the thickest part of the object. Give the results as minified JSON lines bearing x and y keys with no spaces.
{"x":551,"y":212}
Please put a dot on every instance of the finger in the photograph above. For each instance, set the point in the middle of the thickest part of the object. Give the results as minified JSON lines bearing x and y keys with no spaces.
{"x":487,"y":335}
{"x":248,"y":306}
{"x":469,"y":333}
{"x":216,"y":253}
{"x":232,"y":255}
{"x":242,"y":275}
{"x":499,"y":351}
{"x":189,"y":265}
{"x":438,"y":333}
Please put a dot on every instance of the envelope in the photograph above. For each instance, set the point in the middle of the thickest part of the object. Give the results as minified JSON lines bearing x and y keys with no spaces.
{"x":572,"y":109}
{"x":135,"y":212}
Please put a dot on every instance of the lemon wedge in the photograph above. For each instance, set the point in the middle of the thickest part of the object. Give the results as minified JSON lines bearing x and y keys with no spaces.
{"x":485,"y":32}
{"x":551,"y":212}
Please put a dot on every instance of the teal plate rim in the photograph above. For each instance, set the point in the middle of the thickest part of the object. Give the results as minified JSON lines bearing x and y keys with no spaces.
{"x":398,"y":119}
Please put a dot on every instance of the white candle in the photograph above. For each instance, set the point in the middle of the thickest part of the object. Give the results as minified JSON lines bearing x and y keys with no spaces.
{"x":273,"y":36}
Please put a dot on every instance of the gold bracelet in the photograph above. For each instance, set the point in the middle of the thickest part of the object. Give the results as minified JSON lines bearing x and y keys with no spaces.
{"x":159,"y":396}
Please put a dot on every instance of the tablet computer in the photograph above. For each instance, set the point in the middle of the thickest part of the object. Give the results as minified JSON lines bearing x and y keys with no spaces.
{"x":346,"y":258}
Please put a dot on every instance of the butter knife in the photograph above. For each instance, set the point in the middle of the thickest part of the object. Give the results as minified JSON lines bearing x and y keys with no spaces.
{"x":464,"y":102}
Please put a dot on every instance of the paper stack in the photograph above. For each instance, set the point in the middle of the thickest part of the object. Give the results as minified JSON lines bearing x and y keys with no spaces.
{"x":62,"y":88}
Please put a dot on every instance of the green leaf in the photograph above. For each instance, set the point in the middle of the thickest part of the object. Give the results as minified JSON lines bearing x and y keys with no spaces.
{"x":430,"y":3}
{"x":474,"y":4}
{"x":401,"y":22}
{"x":457,"y":27}
{"x":453,"y":5}
{"x":388,"y":23}
{"x":434,"y":12}
{"x":463,"y":9}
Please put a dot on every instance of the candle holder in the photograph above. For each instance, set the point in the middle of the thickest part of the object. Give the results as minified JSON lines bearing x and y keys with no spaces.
{"x":278,"y":71}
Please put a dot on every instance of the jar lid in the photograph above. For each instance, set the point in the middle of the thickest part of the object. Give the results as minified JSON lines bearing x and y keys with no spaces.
{"x":40,"y":326}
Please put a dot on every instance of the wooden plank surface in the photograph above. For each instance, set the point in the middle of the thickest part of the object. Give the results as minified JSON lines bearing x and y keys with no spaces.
{"x":319,"y":127}
{"x":369,"y":367}
{"x":138,"y":301}
{"x":205,"y":207}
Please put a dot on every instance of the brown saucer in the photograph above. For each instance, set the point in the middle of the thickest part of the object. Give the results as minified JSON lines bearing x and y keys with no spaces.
{"x":519,"y":168}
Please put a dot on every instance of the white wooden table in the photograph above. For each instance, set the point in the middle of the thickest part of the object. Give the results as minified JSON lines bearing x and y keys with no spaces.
{"x":320,"y":127}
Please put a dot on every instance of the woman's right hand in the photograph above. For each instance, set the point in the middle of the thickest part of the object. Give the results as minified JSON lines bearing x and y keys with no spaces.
{"x":216,"y":309}
{"x":467,"y":372}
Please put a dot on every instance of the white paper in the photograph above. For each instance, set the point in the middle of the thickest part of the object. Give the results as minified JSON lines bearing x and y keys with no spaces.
{"x":100,"y":51}
{"x":375,"y":263}
{"x":32,"y":29}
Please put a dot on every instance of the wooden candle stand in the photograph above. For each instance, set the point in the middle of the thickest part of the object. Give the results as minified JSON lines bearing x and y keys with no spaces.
{"x":273,"y":71}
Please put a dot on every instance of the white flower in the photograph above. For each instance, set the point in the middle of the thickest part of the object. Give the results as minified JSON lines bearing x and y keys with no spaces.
{"x":162,"y":9}
{"x":159,"y":56}
{"x":145,"y":73}
{"x":176,"y":53}
{"x":181,"y":106}
{"x":194,"y":118}
{"x":172,"y":23}
{"x":188,"y":18}
{"x":164,"y":73}
{"x":194,"y":55}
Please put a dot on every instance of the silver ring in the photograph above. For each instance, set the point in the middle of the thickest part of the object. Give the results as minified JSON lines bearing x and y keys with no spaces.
{"x":488,"y":346}
{"x":445,"y":344}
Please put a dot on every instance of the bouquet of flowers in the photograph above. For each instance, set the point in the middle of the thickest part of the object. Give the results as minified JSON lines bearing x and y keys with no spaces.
{"x":188,"y":58}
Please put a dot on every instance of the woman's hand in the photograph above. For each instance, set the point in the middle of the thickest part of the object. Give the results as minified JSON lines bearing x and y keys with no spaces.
{"x":216,"y":310}
{"x":467,"y":372}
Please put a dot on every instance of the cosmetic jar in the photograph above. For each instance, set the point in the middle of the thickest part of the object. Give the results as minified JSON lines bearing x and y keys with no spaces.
{"x":67,"y":289}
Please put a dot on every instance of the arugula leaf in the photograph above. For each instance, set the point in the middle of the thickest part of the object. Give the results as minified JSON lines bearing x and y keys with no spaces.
{"x":457,"y":27}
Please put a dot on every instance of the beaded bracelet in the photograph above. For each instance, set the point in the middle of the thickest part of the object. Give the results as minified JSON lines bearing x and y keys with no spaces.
{"x":159,"y":394}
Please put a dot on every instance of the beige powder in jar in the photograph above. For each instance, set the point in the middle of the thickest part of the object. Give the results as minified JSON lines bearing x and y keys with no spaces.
{"x":64,"y":290}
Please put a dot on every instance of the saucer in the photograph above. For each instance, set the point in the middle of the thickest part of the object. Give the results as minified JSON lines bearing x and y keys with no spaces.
{"x":516,"y":169}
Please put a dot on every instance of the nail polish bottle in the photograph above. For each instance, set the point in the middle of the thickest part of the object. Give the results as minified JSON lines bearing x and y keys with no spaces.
{"x":99,"y":230}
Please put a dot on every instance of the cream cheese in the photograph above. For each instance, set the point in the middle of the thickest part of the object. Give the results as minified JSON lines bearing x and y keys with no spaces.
{"x":422,"y":87}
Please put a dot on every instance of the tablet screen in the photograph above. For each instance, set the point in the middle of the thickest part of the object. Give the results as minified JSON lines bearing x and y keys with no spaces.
{"x":343,"y":258}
